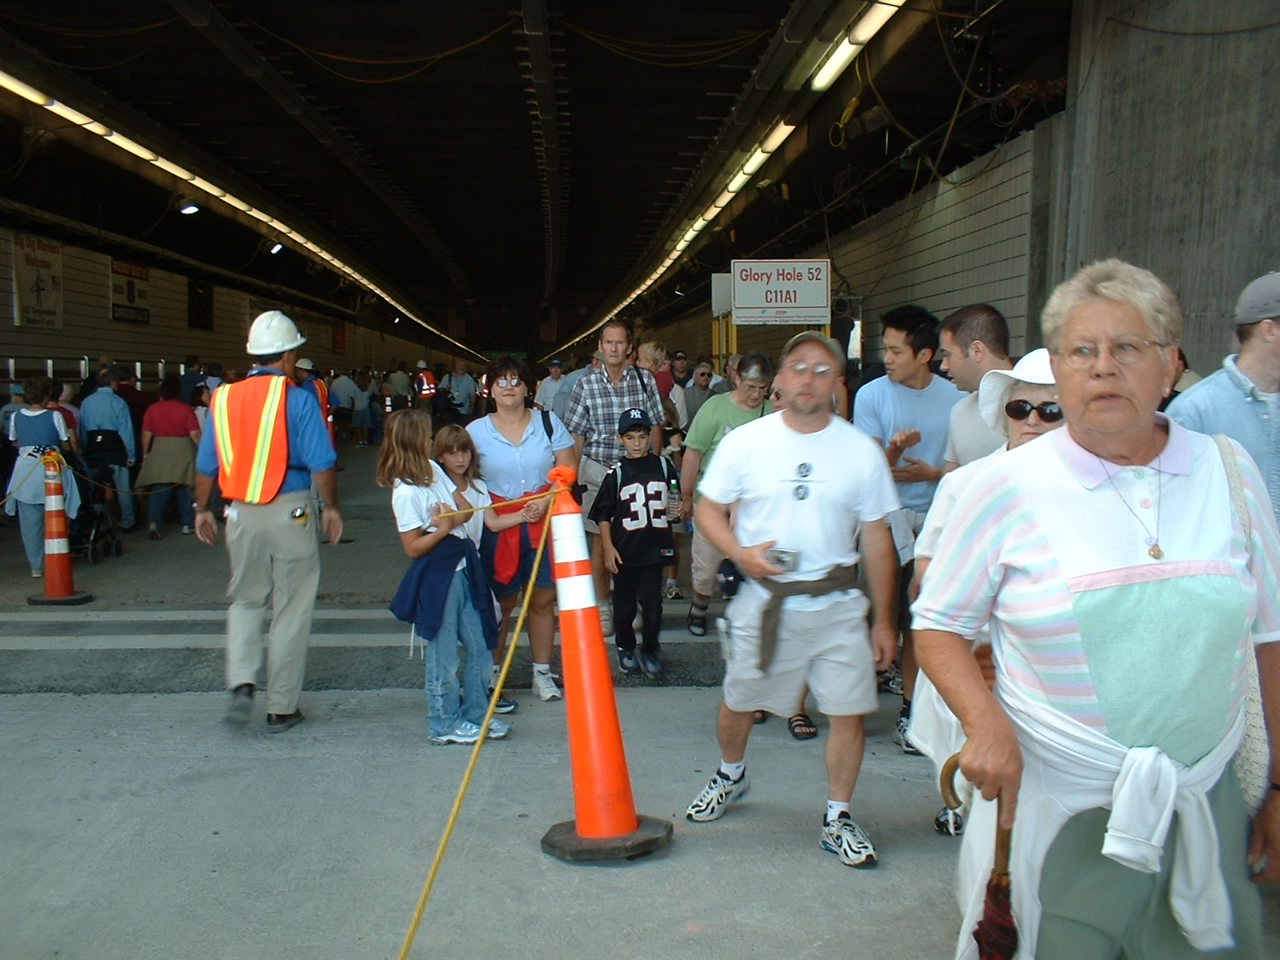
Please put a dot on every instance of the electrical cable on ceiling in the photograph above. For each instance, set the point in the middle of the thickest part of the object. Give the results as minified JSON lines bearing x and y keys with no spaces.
{"x":946,"y":49}
{"x":86,"y":31}
{"x":109,"y":66}
{"x":695,"y":53}
{"x":427,"y":61}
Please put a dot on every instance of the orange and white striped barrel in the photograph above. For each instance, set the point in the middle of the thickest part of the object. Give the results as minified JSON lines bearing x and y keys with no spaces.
{"x":603,"y":804}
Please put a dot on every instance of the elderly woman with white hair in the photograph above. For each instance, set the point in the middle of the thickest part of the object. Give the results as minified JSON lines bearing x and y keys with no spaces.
{"x":1021,"y":404}
{"x":1128,"y":571}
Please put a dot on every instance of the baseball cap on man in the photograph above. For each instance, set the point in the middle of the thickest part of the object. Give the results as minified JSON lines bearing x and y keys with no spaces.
{"x":679,"y":355}
{"x":557,"y":362}
{"x":633,"y":418}
{"x":1259,"y":301}
{"x":813,"y":336}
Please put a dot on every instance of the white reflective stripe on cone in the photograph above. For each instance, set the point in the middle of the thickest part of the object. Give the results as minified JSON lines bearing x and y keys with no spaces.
{"x":568,"y":537}
{"x":57,"y":546}
{"x":576,"y":593}
{"x":54,"y":502}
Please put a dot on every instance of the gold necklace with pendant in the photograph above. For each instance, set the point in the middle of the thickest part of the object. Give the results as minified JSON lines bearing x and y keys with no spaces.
{"x":1153,"y":551}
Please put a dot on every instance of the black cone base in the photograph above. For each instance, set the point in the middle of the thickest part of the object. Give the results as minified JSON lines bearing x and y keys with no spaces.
{"x":77,"y":598}
{"x":563,"y":841}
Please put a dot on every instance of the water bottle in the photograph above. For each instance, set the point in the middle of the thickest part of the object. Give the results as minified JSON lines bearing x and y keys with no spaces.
{"x":673,"y":501}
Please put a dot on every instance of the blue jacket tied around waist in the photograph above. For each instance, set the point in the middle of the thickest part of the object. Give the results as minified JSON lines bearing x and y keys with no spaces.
{"x":420,"y":599}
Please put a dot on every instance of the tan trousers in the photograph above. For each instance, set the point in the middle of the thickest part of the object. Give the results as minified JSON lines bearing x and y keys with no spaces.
{"x":274,"y":556}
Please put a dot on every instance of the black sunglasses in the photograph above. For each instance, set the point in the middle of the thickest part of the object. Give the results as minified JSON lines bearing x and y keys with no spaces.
{"x":1049,"y":411}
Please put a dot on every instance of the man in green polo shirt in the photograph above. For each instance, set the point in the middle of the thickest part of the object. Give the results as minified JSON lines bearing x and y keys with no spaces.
{"x":716,"y":418}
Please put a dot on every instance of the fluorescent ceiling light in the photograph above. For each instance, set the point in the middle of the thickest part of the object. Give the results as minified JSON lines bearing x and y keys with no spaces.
{"x":876,"y":16}
{"x":723,"y":199}
{"x":277,"y":247}
{"x":738,"y":182}
{"x":680,"y":245}
{"x":777,"y":136}
{"x":755,"y":161}
{"x":188,"y":208}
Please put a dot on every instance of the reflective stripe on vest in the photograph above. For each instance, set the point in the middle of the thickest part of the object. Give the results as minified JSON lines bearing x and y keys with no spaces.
{"x":250,"y":425}
{"x":425,"y":384}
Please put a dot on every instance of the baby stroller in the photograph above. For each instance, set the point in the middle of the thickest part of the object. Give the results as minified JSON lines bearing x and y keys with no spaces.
{"x":93,"y":528}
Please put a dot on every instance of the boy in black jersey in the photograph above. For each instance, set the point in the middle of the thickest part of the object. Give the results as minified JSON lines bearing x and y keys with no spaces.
{"x":635,"y":534}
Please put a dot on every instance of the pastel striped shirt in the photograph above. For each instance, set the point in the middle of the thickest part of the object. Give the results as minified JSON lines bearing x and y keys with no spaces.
{"x":1043,"y":538}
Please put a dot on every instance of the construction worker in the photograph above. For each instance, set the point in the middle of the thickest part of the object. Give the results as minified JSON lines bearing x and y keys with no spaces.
{"x":265,"y":444}
{"x":305,"y":376}
{"x":424,"y":386}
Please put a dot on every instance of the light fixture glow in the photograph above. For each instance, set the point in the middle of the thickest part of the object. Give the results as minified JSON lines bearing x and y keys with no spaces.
{"x":722,"y":200}
{"x":738,"y":182}
{"x":680,"y":245}
{"x":28,"y":92}
{"x":777,"y":136}
{"x":277,"y":247}
{"x":755,"y":161}
{"x":868,"y":25}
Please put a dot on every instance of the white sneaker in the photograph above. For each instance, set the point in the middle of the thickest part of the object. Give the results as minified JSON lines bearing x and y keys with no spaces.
{"x":498,"y":728}
{"x":716,"y":796}
{"x":606,"y":621}
{"x":544,"y":685}
{"x":848,"y":841}
{"x":465,"y":732}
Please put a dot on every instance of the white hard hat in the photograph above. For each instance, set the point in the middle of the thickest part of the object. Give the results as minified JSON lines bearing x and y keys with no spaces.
{"x":305,"y":364}
{"x":422,"y":364}
{"x":273,"y":332}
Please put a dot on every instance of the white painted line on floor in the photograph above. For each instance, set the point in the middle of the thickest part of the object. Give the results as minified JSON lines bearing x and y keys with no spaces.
{"x":216,"y":641}
{"x":41,"y":616}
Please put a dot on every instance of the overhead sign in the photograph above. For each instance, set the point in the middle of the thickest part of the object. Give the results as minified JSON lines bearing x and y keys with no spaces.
{"x":130,"y":292}
{"x":781,"y":291}
{"x":37,"y":281}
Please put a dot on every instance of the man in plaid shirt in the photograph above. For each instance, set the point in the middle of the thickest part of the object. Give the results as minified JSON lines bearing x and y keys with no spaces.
{"x":595,"y":405}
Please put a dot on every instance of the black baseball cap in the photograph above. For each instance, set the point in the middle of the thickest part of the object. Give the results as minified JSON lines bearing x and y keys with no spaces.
{"x":557,"y":362}
{"x":679,"y":355}
{"x":633,"y":418}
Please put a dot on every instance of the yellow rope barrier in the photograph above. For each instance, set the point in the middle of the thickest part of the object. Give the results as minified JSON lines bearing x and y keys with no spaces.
{"x":493,"y":506}
{"x":484,"y":732}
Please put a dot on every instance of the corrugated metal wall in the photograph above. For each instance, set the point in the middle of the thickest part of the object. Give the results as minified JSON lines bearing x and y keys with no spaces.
{"x":965,"y":240}
{"x":960,"y":241}
{"x":89,"y":331}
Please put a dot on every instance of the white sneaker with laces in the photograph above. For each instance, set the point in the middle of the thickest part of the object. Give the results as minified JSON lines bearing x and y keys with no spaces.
{"x":498,"y":728}
{"x":902,"y":737}
{"x":716,"y":796}
{"x":465,"y":732}
{"x":544,"y":685}
{"x":848,"y":841}
{"x":606,"y":621}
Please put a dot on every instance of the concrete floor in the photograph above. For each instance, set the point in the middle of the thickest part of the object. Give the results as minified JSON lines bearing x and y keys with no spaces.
{"x":139,"y":827}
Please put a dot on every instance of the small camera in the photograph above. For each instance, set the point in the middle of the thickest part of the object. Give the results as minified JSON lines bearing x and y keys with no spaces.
{"x":788,"y":561}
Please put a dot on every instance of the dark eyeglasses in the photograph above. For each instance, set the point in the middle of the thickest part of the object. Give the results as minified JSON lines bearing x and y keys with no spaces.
{"x":1049,"y":411}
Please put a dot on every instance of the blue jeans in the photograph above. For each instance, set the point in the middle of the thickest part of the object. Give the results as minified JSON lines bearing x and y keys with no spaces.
{"x":31,"y":522}
{"x":124,"y":493}
{"x":160,"y":494}
{"x":447,"y":704}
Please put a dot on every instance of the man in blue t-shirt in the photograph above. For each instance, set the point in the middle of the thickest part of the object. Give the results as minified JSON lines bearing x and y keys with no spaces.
{"x":909,"y":409}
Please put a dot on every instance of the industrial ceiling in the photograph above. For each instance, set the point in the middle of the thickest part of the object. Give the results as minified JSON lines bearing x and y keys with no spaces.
{"x":507,"y":173}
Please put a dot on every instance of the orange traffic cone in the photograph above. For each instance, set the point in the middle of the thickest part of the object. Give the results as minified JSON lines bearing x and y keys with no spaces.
{"x":606,"y":826}
{"x":59,"y":588}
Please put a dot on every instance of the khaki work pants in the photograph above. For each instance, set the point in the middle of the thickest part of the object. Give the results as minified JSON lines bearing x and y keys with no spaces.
{"x":274,"y":556}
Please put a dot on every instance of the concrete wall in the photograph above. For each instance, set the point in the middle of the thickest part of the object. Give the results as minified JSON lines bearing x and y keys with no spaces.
{"x":89,"y":331}
{"x":1171,"y":158}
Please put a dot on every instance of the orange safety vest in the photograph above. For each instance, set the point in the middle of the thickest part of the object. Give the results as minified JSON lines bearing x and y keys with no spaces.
{"x":425,"y":384}
{"x":322,"y":394}
{"x":250,"y":426}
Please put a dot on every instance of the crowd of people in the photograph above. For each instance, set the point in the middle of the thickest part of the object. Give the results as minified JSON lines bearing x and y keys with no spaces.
{"x":1067,"y":587}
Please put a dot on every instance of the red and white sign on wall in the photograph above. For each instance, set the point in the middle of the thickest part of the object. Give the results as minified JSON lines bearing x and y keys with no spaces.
{"x":781,"y":291}
{"x":130,"y":292}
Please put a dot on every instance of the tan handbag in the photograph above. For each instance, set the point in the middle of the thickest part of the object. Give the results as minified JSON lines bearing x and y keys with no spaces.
{"x":1253,"y":759}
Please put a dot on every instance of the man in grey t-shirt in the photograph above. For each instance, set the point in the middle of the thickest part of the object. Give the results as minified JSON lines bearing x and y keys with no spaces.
{"x":974,"y":339}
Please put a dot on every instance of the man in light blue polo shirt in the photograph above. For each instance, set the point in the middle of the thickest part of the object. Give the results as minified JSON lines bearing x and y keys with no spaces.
{"x":103,"y":410}
{"x":1242,"y":399}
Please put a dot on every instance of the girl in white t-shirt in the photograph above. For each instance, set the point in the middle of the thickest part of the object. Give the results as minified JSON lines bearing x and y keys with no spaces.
{"x":421,"y":492}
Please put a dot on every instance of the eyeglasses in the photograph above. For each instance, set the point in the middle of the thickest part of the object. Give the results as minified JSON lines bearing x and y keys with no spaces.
{"x":1049,"y":411}
{"x":799,"y":368}
{"x":1081,"y":356}
{"x":507,"y":382}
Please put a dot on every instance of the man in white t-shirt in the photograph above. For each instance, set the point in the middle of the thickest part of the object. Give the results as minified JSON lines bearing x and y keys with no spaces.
{"x":805,"y":487}
{"x":973,"y":341}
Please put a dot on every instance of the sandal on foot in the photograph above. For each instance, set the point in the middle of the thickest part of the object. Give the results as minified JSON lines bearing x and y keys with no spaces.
{"x":802,"y":726}
{"x":759,"y":717}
